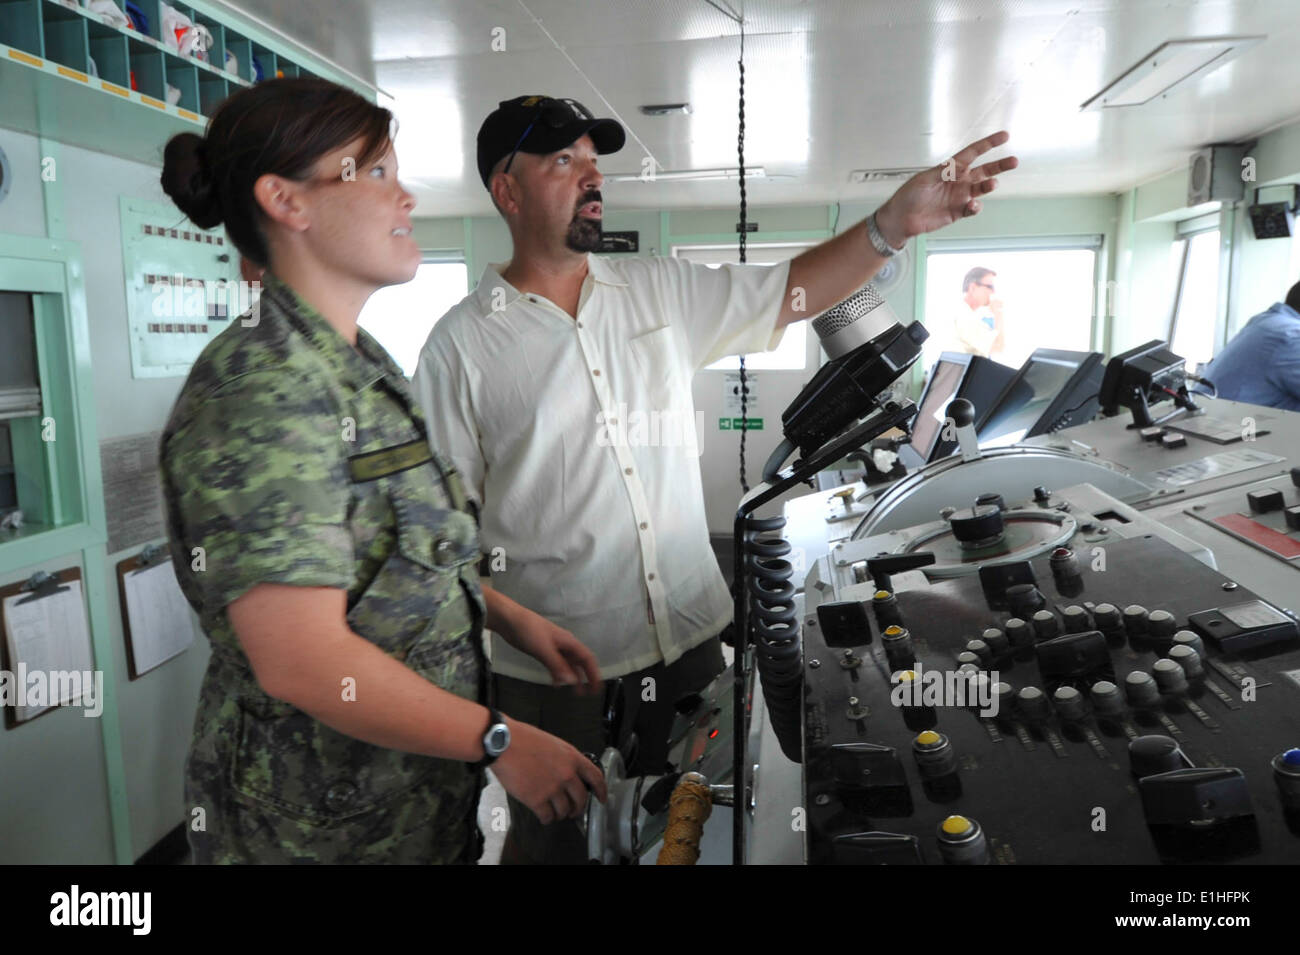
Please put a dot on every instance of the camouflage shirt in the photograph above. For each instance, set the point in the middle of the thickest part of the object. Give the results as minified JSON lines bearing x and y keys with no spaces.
{"x":293,"y":458}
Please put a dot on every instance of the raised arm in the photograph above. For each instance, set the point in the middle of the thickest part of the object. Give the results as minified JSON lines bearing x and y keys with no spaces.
{"x":928,"y":201}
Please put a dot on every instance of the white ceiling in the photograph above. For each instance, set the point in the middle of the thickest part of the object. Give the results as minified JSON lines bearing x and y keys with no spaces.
{"x":831,"y":85}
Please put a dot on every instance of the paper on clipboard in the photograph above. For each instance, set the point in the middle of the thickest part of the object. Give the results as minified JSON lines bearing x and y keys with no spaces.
{"x":162,"y":623}
{"x":49,"y":643}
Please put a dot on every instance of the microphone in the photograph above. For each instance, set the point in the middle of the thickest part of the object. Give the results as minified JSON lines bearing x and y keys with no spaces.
{"x":868,"y":348}
{"x":853,"y":322}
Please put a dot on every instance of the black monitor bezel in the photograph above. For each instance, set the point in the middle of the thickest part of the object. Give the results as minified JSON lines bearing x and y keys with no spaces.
{"x":1085,"y":363}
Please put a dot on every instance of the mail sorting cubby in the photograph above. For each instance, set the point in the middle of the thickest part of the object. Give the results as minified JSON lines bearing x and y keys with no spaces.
{"x":110,"y":53}
{"x":67,"y":39}
{"x":21,"y":26}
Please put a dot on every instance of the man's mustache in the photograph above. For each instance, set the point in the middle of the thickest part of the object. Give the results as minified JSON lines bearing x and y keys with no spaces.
{"x":590,"y":196}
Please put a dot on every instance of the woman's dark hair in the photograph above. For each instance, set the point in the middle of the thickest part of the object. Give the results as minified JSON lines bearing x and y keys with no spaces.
{"x":279,"y":127}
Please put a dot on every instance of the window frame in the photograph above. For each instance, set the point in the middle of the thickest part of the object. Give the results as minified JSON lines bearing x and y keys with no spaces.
{"x":1185,"y":231}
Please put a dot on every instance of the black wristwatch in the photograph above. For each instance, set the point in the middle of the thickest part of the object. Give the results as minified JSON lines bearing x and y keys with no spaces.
{"x":495,"y":740}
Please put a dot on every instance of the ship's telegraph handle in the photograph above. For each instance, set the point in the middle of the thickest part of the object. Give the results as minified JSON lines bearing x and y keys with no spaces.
{"x":962,"y":415}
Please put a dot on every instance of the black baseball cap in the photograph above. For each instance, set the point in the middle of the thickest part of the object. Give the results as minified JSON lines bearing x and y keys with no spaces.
{"x":541,"y":124}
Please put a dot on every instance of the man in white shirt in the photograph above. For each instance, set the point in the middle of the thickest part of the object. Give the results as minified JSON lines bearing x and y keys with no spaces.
{"x":978,"y":323}
{"x":587,"y":520}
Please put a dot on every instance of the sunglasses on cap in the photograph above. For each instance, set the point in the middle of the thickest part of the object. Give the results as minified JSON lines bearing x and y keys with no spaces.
{"x":555,"y":113}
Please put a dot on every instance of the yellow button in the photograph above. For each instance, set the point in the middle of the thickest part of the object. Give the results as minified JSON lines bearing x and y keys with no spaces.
{"x":908,"y":675}
{"x":882,"y":594}
{"x":928,"y":738}
{"x":956,"y":825}
{"x":892,"y":630}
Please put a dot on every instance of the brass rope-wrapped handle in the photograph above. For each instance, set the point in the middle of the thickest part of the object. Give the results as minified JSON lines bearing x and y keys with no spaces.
{"x":688,"y":808}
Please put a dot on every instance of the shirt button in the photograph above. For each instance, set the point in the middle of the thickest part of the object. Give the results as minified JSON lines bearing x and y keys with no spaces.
{"x":596,"y":372}
{"x":644,"y":525}
{"x":580,"y":324}
{"x":627,"y":470}
{"x":340,"y":796}
{"x":650,"y":577}
{"x":613,"y":421}
{"x":444,"y":551}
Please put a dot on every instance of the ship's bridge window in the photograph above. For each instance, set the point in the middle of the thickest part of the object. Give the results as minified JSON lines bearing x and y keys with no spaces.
{"x":1002,"y":300}
{"x":401,"y":316}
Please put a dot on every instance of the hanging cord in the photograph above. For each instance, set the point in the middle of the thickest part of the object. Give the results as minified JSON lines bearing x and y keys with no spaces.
{"x":740,"y":155}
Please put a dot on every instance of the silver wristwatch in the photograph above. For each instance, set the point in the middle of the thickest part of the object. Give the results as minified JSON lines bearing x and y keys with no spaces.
{"x":878,"y":239}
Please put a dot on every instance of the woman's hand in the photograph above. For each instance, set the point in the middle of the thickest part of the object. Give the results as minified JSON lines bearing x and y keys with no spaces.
{"x":546,"y":774}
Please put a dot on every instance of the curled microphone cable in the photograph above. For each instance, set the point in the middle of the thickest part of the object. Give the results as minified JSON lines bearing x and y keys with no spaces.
{"x":774,"y":626}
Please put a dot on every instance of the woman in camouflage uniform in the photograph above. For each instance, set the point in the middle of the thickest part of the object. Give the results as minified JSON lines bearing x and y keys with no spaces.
{"x":328,"y":551}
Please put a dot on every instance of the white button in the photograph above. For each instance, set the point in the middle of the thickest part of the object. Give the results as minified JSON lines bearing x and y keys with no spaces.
{"x":613,"y":421}
{"x":644,"y":525}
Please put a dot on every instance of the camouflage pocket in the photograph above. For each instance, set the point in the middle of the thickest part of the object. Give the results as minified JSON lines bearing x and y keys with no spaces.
{"x":402,"y":604}
{"x":299,"y":768}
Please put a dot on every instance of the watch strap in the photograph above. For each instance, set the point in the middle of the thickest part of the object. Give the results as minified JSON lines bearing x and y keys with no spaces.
{"x":494,"y":719}
{"x":878,"y":239}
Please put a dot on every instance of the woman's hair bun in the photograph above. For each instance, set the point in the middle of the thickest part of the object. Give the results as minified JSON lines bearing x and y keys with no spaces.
{"x":187,"y":179}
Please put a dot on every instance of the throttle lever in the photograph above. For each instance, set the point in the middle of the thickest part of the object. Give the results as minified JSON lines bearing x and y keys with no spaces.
{"x":881,"y":566}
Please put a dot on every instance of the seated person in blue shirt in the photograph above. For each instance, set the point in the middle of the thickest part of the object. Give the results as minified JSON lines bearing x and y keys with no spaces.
{"x":1261,"y":365}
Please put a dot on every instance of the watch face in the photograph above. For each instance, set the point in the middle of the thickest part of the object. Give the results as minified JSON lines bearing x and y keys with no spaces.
{"x":498,"y":738}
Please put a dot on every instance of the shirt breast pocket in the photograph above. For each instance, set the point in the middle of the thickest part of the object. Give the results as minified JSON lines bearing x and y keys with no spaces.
{"x":407,"y":607}
{"x":655,"y":359}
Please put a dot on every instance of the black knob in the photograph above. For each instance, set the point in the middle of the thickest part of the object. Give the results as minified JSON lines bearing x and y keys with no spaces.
{"x":1041,"y":494}
{"x":1046,"y":626}
{"x":1135,"y":619}
{"x":1024,"y":600}
{"x":1108,"y":617}
{"x":1148,"y":755}
{"x":993,"y":498}
{"x":979,"y":523}
{"x":961,"y":411}
{"x":1161,"y":623}
{"x":1019,"y":633}
{"x":1076,"y":619}
{"x":1295,"y":476}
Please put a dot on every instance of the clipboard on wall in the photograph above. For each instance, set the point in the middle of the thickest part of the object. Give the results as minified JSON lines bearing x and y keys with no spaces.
{"x":157,"y":621}
{"x":25,"y":642}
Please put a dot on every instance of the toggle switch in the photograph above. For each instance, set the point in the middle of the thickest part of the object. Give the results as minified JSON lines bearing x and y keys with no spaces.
{"x":1195,"y":797}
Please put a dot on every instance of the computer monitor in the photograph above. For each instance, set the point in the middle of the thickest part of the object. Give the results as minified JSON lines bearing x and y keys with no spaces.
{"x":955,"y":375}
{"x":1054,"y":389}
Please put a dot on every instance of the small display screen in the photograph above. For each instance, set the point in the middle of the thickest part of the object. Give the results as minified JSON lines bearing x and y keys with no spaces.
{"x":1029,"y":397}
{"x":944,"y":382}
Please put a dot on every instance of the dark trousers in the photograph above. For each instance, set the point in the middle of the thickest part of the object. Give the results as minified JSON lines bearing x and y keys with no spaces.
{"x":648,"y":712}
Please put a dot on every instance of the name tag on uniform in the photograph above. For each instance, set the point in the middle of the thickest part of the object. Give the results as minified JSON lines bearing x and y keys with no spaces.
{"x":376,"y":464}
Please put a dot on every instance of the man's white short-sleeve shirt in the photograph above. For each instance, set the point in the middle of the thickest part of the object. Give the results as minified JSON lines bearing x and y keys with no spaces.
{"x":579,"y":439}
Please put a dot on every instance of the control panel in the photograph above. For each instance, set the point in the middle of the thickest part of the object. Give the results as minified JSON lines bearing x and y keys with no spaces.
{"x":1266,"y":516}
{"x":1049,"y":682}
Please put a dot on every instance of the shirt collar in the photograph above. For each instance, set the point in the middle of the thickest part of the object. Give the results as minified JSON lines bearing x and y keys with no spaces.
{"x":357,"y":369}
{"x":491,"y":280}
